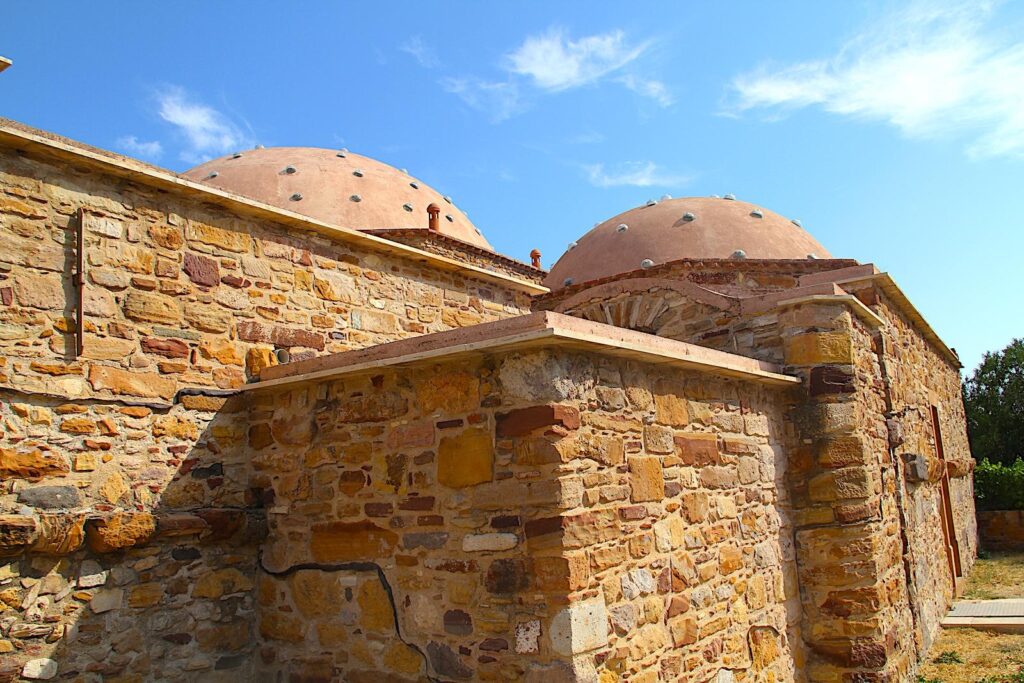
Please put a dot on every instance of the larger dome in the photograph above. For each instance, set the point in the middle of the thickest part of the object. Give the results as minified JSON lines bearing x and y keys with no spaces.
{"x":336,"y":187}
{"x":685,"y":228}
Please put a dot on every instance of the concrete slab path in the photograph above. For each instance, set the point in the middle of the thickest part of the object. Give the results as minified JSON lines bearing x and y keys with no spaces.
{"x":1006,"y":616}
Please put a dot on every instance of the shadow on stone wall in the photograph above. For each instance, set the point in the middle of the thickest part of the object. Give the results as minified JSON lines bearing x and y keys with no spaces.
{"x":133,"y":553}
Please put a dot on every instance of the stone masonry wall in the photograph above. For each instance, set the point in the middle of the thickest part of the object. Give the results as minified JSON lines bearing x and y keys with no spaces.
{"x":183,"y":294}
{"x":885,"y":380}
{"x":537,"y":516}
{"x":128,"y":530}
{"x":685,"y":538}
{"x":127,"y":548}
{"x":917,"y":378}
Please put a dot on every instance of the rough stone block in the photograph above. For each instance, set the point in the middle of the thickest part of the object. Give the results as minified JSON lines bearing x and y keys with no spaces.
{"x":252,"y":331}
{"x":472,"y":543}
{"x":844,"y":484}
{"x":39,"y":669}
{"x":50,"y":497}
{"x":168,"y":348}
{"x":230,"y":240}
{"x":698,"y":449}
{"x":646,"y":479}
{"x":152,"y":308}
{"x":335,"y":286}
{"x":523,"y":421}
{"x":119,"y":531}
{"x":825,"y":380}
{"x":658,"y":439}
{"x":466,"y":459}
{"x":819,"y":348}
{"x":39,"y":291}
{"x":607,"y":450}
{"x":129,"y":383}
{"x":60,"y":533}
{"x":449,"y":393}
{"x":580,"y":627}
{"x":351,"y":541}
{"x":671,"y":410}
{"x":684,"y":631}
{"x":202,"y":270}
{"x":31,"y":464}
{"x":542,"y":451}
{"x":17,"y":533}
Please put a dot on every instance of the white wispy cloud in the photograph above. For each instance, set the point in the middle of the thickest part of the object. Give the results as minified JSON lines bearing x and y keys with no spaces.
{"x":500,"y":100}
{"x":553,"y":62}
{"x":205,"y":131}
{"x":421,"y":52}
{"x":144,"y":150}
{"x":633,"y":173}
{"x":654,"y":89}
{"x":936,"y":68}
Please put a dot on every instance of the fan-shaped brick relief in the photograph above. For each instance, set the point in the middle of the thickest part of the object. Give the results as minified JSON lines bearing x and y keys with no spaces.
{"x":667,"y":308}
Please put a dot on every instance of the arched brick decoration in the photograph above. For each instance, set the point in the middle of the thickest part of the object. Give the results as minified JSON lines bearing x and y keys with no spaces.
{"x":668,"y":308}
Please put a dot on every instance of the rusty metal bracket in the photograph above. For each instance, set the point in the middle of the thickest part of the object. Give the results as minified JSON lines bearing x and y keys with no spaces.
{"x":78,"y":279}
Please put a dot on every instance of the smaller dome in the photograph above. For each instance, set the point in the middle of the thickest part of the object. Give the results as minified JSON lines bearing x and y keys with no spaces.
{"x":336,"y":187}
{"x":684,"y":228}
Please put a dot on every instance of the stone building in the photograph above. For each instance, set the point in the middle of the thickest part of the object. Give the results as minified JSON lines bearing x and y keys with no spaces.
{"x":288,"y":417}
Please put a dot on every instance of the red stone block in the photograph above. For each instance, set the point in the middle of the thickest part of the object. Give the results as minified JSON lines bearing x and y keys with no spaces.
{"x":202,"y":270}
{"x":168,"y":348}
{"x":828,"y":379}
{"x":524,"y":420}
{"x":252,"y":331}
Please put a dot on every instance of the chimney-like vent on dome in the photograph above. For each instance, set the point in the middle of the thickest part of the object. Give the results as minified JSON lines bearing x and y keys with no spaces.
{"x":433,"y":214}
{"x":535,"y":258}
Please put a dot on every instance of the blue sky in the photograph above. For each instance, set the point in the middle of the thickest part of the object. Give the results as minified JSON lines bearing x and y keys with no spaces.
{"x":894,"y":131}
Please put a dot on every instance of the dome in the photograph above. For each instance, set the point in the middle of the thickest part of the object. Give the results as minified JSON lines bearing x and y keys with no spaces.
{"x":685,"y":228}
{"x":336,"y":187}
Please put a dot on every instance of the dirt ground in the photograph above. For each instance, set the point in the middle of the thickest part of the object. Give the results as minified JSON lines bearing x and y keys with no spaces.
{"x":970,"y":656}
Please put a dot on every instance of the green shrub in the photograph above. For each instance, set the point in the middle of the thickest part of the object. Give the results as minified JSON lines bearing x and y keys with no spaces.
{"x":999,"y":487}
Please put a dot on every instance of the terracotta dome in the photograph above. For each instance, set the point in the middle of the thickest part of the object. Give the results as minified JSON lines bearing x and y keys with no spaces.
{"x":336,"y":187}
{"x":685,"y":228}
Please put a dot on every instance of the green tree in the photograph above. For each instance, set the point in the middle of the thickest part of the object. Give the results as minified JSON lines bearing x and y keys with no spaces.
{"x":994,"y":400}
